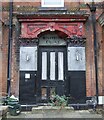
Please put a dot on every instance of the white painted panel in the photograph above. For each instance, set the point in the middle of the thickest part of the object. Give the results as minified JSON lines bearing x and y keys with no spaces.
{"x":44,"y":65}
{"x":52,"y":3}
{"x":76,"y":58}
{"x":28,"y":58}
{"x":52,"y":65}
{"x":101,"y":100}
{"x":60,"y":66}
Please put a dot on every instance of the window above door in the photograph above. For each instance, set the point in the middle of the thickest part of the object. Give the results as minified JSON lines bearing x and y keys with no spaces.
{"x":52,"y":3}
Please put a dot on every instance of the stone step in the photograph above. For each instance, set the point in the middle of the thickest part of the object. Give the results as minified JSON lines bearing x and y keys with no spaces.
{"x":51,"y":109}
{"x":3,"y":111}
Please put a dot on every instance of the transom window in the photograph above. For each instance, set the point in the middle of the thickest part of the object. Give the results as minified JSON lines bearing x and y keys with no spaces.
{"x":52,"y":3}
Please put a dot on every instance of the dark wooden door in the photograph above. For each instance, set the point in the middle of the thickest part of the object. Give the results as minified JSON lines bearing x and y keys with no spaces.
{"x":52,"y":72}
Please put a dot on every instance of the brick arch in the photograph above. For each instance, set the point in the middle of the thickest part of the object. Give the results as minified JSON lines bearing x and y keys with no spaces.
{"x":54,"y":28}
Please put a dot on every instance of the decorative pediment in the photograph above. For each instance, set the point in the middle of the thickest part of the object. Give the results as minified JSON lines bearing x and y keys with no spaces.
{"x":33,"y":29}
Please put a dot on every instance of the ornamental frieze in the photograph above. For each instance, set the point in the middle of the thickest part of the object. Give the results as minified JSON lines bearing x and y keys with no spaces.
{"x":32,"y":29}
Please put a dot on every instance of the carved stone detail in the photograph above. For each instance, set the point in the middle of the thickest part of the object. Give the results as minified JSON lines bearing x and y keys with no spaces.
{"x":76,"y":41}
{"x":33,"y":29}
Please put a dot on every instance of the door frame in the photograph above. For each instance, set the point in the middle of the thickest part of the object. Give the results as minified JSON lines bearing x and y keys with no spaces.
{"x":38,"y":82}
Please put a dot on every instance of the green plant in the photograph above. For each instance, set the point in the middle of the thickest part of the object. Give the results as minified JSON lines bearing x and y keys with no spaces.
{"x":57,"y":100}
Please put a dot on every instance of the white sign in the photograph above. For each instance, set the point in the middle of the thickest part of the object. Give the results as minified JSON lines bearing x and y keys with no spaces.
{"x":27,"y":75}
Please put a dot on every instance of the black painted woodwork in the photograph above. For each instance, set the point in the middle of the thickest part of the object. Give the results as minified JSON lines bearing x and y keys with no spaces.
{"x":27,"y":88}
{"x":74,"y":83}
{"x":77,"y":86}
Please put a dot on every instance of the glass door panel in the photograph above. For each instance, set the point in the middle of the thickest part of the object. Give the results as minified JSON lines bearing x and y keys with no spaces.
{"x":60,"y":66}
{"x":44,"y":65}
{"x":52,"y":65}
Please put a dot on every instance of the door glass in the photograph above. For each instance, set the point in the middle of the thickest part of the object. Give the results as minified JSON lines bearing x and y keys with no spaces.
{"x":60,"y":66}
{"x":44,"y":93}
{"x":44,"y":65}
{"x":52,"y":66}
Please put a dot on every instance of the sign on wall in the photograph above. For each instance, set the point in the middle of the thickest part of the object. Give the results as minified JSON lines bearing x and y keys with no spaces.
{"x":28,"y":58}
{"x":51,"y":39}
{"x":76,"y":59}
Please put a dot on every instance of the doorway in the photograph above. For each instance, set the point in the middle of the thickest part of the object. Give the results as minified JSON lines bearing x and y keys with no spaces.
{"x":52,"y":71}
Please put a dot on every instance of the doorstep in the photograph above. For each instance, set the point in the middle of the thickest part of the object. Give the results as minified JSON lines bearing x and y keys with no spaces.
{"x":85,"y":114}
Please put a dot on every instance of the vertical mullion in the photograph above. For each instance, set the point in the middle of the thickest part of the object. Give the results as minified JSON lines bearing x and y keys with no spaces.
{"x":48,"y":73}
{"x":56,"y":65}
{"x":48,"y":92}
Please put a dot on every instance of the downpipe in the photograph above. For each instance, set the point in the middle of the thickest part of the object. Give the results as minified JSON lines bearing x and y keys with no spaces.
{"x":9,"y":48}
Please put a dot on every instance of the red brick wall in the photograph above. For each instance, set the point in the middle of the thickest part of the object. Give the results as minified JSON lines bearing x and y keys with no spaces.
{"x":103,"y":59}
{"x":14,"y":69}
{"x":0,"y":60}
{"x":90,"y":69}
{"x":100,"y":63}
{"x":4,"y":59}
